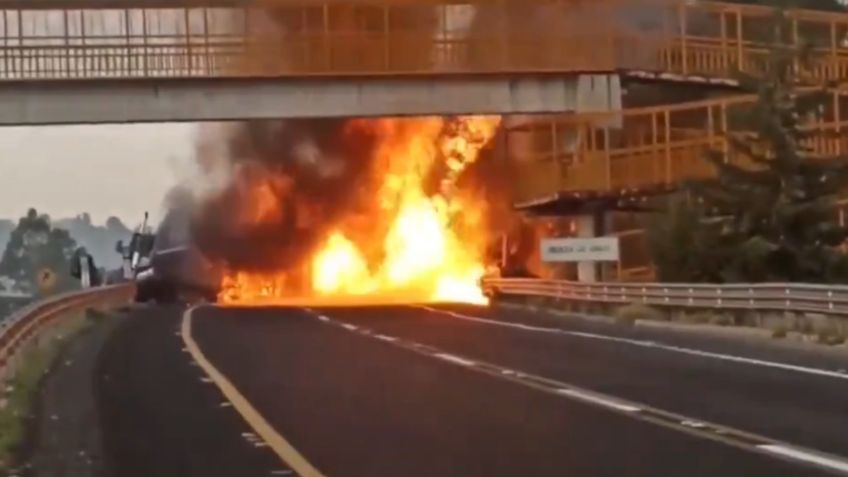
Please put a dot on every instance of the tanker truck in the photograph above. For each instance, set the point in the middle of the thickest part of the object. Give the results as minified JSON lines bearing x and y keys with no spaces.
{"x":173,"y":269}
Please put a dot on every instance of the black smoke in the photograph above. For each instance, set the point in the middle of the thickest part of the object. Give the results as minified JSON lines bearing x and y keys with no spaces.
{"x":313,"y":172}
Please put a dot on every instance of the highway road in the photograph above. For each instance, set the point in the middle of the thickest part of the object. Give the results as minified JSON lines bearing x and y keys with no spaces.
{"x":458,"y":391}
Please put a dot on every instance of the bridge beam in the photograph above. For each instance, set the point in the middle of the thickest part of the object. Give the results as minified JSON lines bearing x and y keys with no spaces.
{"x":173,"y":100}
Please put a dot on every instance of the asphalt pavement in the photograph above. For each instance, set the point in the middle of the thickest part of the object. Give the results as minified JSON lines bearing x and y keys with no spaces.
{"x":460,"y":391}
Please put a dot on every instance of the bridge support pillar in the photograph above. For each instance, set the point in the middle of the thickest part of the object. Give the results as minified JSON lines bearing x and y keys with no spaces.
{"x":590,"y":225}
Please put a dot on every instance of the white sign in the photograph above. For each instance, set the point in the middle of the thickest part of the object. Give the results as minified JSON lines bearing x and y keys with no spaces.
{"x":601,"y":249}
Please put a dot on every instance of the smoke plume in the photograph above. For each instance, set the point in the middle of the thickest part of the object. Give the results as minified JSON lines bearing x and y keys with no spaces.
{"x":284,"y":183}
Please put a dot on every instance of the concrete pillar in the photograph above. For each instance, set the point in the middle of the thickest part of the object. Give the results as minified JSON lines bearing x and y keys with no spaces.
{"x":589,"y":226}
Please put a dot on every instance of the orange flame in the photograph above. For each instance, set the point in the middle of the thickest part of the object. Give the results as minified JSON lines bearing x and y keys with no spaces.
{"x":428,"y":247}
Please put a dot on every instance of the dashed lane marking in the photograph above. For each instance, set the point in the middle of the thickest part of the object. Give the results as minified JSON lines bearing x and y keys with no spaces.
{"x":284,"y":450}
{"x":715,"y":432}
{"x":454,"y":359}
{"x":600,"y":401}
{"x":839,"y":374}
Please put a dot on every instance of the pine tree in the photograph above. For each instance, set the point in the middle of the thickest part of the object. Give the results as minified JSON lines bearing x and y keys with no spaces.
{"x":775,"y":198}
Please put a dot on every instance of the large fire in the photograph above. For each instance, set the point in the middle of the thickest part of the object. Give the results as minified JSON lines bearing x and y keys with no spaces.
{"x":423,"y":240}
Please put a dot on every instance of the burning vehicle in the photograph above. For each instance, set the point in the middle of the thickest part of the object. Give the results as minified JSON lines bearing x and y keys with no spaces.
{"x":173,"y":268}
{"x":333,"y":211}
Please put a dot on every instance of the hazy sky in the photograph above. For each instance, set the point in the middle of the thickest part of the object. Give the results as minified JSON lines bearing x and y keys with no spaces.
{"x":104,"y":170}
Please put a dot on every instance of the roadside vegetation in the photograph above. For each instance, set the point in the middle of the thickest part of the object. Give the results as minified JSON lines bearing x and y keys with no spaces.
{"x":16,"y":405}
{"x":770,"y":214}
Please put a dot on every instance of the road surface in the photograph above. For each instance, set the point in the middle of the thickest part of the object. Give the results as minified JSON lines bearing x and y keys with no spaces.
{"x":458,"y":391}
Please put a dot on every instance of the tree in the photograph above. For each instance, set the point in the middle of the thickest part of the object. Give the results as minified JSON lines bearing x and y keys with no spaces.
{"x":774,"y":199}
{"x":683,"y":245}
{"x":35,"y":246}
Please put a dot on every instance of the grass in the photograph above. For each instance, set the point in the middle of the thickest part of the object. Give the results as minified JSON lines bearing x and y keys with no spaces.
{"x":721,"y":319}
{"x":22,"y":389}
{"x":699,"y":317}
{"x":629,"y":314}
{"x":830,"y":338}
{"x":779,"y":332}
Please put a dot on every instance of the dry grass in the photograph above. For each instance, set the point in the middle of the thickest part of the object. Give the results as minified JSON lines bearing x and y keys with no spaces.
{"x":630,"y":314}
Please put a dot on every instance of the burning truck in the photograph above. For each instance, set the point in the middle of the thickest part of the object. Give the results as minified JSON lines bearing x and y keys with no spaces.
{"x":332,"y":211}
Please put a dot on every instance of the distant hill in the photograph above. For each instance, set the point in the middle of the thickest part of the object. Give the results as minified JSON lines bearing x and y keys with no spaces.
{"x":99,"y":240}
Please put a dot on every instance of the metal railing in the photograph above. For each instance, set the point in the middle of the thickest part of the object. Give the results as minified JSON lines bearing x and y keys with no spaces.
{"x":657,"y":145}
{"x":380,"y":37}
{"x":22,"y":328}
{"x":775,"y":297}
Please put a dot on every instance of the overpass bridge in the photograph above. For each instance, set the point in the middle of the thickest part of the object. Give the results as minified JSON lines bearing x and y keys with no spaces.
{"x":653,"y":149}
{"x":640,"y":151}
{"x":96,"y":61}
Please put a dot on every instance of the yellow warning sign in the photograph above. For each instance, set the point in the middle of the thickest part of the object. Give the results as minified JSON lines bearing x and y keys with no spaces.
{"x":46,"y":279}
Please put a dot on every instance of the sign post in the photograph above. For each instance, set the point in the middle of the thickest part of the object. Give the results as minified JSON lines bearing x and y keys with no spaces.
{"x":584,"y":251}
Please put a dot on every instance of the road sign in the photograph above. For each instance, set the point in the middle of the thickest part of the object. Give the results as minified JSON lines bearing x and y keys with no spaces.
{"x":46,"y":280}
{"x":600,"y":249}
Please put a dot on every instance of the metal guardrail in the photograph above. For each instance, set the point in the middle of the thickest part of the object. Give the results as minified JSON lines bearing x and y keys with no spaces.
{"x":791,"y":297}
{"x":23,"y":326}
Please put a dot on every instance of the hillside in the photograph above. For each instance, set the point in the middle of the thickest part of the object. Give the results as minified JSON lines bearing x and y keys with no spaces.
{"x":99,"y":240}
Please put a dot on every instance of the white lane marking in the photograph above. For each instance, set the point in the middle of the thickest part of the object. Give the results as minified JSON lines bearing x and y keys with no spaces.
{"x":323,"y":318}
{"x":385,"y":338}
{"x":693,"y":424}
{"x":454,"y":359}
{"x":601,"y":401}
{"x":350,"y":327}
{"x":226,"y":404}
{"x":629,"y":407}
{"x":804,"y":456}
{"x":650,"y":344}
{"x":205,"y":380}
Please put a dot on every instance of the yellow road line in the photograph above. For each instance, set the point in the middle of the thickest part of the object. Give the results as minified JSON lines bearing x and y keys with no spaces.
{"x":287,"y":453}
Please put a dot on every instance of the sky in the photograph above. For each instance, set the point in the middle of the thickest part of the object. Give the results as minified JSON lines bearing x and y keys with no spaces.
{"x":121,"y":170}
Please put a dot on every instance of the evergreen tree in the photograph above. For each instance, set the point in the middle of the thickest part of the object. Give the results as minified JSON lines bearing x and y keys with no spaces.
{"x":683,"y":245}
{"x":34,"y":247}
{"x":774,"y":198}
